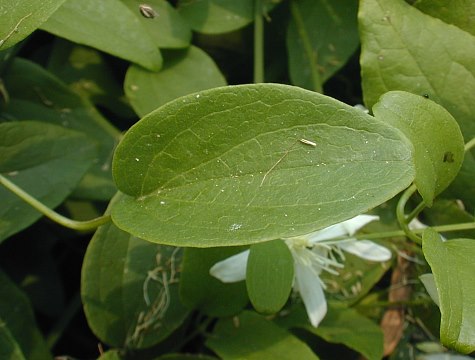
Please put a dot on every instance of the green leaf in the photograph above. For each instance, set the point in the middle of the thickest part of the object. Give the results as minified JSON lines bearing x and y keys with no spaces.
{"x":184,"y":72}
{"x":252,"y":337}
{"x":225,"y":167}
{"x":269,"y":275}
{"x":107,"y":25}
{"x":321,"y":37}
{"x":452,"y":264}
{"x":217,"y":16}
{"x":111,"y":355}
{"x":457,"y":12}
{"x":17,"y":324}
{"x":9,"y":348}
{"x":129,"y":289}
{"x":45,"y":160}
{"x":85,"y":71}
{"x":167,"y":29}
{"x":19,"y":18}
{"x":35,"y":94}
{"x":435,"y":135}
{"x":404,"y":49}
{"x":341,"y":326}
{"x":199,"y":290}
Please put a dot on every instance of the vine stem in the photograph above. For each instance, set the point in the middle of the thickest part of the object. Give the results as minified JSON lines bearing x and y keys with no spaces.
{"x":469,"y":145}
{"x":258,"y":42}
{"x":51,"y":214}
{"x":401,"y":217}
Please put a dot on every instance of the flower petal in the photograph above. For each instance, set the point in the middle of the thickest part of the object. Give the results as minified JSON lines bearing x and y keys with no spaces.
{"x":327,"y":233}
{"x":356,"y":223}
{"x":232,"y":269}
{"x":366,"y":249}
{"x":310,"y":289}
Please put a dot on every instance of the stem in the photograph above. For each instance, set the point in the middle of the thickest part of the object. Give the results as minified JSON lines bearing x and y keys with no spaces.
{"x":416,"y":211}
{"x":258,"y":42}
{"x":51,"y":214}
{"x":307,"y":46}
{"x":401,"y":217}
{"x":469,"y":145}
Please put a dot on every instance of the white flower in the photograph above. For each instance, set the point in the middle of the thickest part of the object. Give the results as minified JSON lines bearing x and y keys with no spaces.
{"x":312,"y":254}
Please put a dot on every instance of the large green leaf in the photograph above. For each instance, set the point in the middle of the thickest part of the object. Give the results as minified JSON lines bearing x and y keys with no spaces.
{"x":199,"y":290}
{"x":129,"y":288}
{"x":167,"y":28}
{"x":35,"y":94}
{"x":452,"y":264}
{"x":19,"y":18}
{"x":269,"y":275}
{"x":438,"y":142}
{"x":252,"y":337}
{"x":405,"y":49}
{"x":457,"y":12}
{"x":17,"y":325}
{"x":321,"y":36}
{"x":107,"y":25}
{"x":341,"y":326}
{"x":45,"y":160}
{"x":217,"y":16}
{"x":226,"y":167}
{"x":184,"y":72}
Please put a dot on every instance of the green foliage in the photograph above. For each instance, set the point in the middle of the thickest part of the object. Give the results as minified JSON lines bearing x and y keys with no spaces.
{"x":223,"y":204}
{"x":235,"y":154}
{"x":457,"y":325}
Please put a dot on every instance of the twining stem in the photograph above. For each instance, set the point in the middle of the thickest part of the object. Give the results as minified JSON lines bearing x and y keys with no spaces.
{"x":309,"y":54}
{"x":401,"y":217}
{"x":51,"y":214}
{"x":258,"y":42}
{"x":469,"y":145}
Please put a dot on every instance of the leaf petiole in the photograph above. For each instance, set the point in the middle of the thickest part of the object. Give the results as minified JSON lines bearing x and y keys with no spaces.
{"x":51,"y":214}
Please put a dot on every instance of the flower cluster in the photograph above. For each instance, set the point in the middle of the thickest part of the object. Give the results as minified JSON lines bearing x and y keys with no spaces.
{"x":313,"y":253}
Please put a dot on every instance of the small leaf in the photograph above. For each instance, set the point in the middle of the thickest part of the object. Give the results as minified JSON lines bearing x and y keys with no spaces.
{"x":217,"y":16}
{"x":184,"y":72}
{"x":46,"y":161}
{"x":452,"y":264}
{"x":17,"y":324}
{"x":19,"y":18}
{"x":167,"y":29}
{"x":226,"y":166}
{"x":252,"y":337}
{"x":107,"y":25}
{"x":320,"y":38}
{"x":269,"y":275}
{"x":199,"y":290}
{"x":434,"y":133}
{"x":129,"y":289}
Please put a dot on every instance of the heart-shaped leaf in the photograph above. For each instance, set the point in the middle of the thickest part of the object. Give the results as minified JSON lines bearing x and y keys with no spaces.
{"x":435,"y":135}
{"x":246,"y":164}
{"x":452,"y":264}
